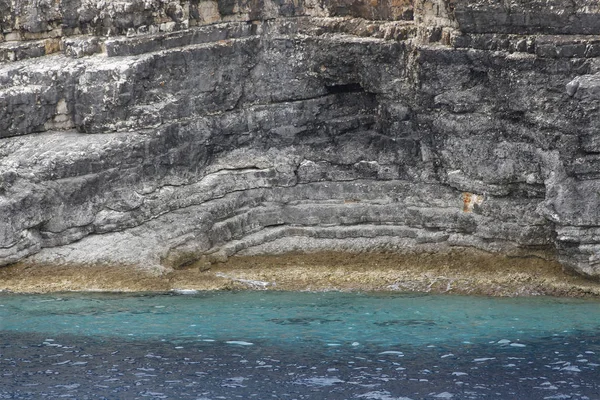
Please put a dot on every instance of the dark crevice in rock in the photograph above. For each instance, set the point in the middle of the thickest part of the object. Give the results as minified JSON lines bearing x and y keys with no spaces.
{"x":345,"y":88}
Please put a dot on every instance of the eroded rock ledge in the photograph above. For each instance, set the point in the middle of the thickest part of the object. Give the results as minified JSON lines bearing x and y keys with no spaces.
{"x":156,"y":134}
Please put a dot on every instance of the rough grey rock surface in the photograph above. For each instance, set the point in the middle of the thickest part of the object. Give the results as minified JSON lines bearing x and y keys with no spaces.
{"x":156,"y":133}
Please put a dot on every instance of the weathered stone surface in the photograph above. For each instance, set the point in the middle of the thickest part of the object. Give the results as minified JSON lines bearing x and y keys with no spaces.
{"x":527,"y":16}
{"x":155,"y":133}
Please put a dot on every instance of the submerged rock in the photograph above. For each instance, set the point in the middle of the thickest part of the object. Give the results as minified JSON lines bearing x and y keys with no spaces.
{"x":155,"y":134}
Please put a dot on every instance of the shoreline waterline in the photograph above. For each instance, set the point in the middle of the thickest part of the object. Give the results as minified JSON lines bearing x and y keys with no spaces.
{"x":463,"y":271}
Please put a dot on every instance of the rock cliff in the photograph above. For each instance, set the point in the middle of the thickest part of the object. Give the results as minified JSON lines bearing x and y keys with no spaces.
{"x":155,"y":133}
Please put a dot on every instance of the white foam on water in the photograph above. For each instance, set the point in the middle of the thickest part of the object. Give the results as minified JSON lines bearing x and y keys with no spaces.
{"x":571,"y":368}
{"x":484,"y":359}
{"x":185,"y":291}
{"x":444,"y":395}
{"x":69,"y":387}
{"x":380,"y":395}
{"x":503,"y":341}
{"x":546,"y":386}
{"x":398,"y":353}
{"x":517,"y":345}
{"x":459,"y":373}
{"x":321,"y":381}
{"x":234,"y":382}
{"x":158,"y":395}
{"x":239,"y":342}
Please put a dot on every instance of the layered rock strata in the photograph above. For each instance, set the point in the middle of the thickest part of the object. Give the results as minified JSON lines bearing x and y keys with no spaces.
{"x":155,"y":133}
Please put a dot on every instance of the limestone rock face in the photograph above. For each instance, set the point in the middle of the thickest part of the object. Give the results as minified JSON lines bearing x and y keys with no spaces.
{"x":156,"y":133}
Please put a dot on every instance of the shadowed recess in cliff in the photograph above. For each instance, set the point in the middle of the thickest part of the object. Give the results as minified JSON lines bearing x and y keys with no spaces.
{"x":345,"y":88}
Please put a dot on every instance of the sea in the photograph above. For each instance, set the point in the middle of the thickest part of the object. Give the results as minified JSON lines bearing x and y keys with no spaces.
{"x":297,"y":345}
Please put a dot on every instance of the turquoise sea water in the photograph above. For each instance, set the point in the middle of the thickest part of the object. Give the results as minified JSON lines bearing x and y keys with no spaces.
{"x":331,"y":345}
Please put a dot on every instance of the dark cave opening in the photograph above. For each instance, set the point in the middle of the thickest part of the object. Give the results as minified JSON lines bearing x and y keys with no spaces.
{"x":345,"y":88}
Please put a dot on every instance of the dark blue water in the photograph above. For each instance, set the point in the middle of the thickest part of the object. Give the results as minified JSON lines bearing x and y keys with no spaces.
{"x":273,"y":345}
